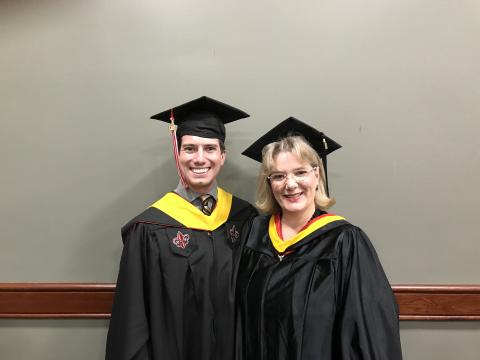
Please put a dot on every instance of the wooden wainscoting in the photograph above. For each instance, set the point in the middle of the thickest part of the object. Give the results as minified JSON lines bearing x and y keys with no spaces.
{"x":56,"y":300}
{"x":94,"y":301}
{"x":438,"y":302}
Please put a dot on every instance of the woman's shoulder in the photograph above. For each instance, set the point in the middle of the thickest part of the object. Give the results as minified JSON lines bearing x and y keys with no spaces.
{"x":344,"y":224}
{"x":351,"y":239}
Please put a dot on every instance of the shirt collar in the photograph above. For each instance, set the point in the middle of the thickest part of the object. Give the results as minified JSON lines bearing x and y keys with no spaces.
{"x":191,"y":195}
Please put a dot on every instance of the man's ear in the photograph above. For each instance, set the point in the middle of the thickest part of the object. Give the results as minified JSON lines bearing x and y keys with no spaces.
{"x":224,"y":156}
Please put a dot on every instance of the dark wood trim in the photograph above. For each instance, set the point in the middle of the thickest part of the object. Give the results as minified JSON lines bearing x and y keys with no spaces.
{"x":94,"y":301}
{"x":56,"y":300}
{"x":438,"y":302}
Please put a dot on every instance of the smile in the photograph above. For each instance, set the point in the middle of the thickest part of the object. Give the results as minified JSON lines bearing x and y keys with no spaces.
{"x":293,"y":197}
{"x":200,"y":170}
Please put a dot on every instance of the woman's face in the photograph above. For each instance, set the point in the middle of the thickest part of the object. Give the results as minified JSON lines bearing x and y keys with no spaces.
{"x":295,"y":193}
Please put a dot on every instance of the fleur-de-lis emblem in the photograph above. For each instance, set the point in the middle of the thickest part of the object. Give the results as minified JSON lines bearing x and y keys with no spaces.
{"x":181,"y":240}
{"x":234,"y":234}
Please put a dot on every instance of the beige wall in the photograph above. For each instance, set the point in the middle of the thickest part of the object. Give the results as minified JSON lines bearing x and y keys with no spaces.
{"x":395,"y":82}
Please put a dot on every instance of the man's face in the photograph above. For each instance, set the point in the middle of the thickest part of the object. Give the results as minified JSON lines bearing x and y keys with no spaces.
{"x":200,"y":161}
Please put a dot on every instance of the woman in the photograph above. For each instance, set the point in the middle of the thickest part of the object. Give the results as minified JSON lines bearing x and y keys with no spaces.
{"x":310,"y":283}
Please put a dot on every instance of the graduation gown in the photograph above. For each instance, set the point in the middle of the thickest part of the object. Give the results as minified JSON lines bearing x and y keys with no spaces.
{"x":321,"y":295}
{"x":174,"y":298}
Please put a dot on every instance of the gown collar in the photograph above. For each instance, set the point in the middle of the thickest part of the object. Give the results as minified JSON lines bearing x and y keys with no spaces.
{"x":317,"y":223}
{"x":190,"y":216}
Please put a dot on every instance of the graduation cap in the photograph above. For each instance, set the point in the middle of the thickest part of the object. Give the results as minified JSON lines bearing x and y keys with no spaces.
{"x":204,"y":117}
{"x":321,"y":143}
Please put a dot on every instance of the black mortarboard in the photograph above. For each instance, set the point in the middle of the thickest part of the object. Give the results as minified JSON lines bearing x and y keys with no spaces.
{"x":204,"y":117}
{"x":321,"y":143}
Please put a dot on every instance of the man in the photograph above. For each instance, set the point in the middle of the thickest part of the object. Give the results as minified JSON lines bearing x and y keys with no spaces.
{"x":176,"y":285}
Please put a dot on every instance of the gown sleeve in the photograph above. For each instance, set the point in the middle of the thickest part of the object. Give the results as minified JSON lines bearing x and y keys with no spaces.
{"x":367,"y":313}
{"x":128,"y":332}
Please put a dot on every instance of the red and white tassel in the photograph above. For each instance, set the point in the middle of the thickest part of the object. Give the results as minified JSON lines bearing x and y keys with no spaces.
{"x":173,"y":131}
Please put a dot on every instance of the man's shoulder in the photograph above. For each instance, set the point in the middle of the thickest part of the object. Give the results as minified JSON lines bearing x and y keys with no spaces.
{"x":151,"y":216}
{"x":242,"y":208}
{"x":240,"y":202}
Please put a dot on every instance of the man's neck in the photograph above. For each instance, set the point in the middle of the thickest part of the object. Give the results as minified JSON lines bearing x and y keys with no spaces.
{"x":191,"y":195}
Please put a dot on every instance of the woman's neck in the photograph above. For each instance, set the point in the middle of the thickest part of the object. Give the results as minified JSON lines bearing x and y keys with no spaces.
{"x":293,"y":222}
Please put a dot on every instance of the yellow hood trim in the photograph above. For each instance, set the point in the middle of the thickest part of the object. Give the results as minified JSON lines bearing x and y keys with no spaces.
{"x":280,"y":245}
{"x":190,"y":216}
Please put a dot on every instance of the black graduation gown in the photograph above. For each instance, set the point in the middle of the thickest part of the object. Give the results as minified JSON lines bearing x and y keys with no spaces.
{"x":327,"y":299}
{"x":174,"y":298}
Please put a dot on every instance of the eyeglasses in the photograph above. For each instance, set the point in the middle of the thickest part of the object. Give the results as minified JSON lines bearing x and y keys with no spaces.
{"x":298,"y":175}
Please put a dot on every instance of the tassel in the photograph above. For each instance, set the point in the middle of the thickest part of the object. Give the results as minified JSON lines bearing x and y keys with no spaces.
{"x":173,"y":131}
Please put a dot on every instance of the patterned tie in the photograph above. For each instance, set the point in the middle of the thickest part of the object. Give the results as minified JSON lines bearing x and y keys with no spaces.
{"x":207,"y":203}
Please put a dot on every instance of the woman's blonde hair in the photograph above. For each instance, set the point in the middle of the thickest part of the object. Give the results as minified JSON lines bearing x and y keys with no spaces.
{"x":298,"y":146}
